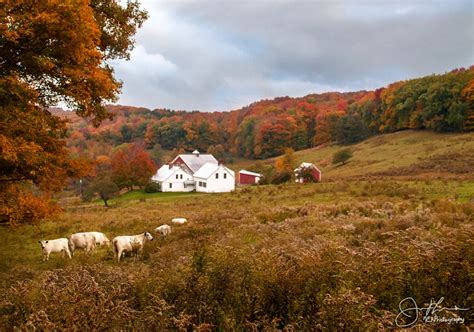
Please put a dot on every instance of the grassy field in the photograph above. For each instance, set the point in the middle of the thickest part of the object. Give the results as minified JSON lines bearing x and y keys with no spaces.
{"x":158,"y":197}
{"x":336,"y":255}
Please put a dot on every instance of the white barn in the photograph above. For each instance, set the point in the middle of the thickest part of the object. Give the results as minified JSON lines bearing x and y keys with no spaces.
{"x":196,"y":171}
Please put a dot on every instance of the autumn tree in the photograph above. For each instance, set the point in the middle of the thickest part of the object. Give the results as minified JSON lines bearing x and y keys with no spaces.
{"x":53,"y":52}
{"x":350,"y":129}
{"x":99,"y":182}
{"x":287,"y":162}
{"x":468,"y":93}
{"x":149,"y":137}
{"x":217,"y":151}
{"x":245,"y":137}
{"x":157,"y":154}
{"x":104,"y":187}
{"x":132,"y":166}
{"x":284,"y":167}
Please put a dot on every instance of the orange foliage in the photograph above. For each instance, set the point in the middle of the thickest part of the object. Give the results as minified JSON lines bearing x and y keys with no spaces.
{"x":132,"y":165}
{"x":53,"y":51}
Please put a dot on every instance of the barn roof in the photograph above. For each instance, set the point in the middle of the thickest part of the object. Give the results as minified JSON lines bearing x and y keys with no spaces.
{"x":307,"y":165}
{"x":196,"y":160}
{"x":208,"y":169}
{"x":243,"y":171}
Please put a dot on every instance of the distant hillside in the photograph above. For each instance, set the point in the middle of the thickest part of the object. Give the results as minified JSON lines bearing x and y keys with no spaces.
{"x":408,"y":154}
{"x":441,"y":103}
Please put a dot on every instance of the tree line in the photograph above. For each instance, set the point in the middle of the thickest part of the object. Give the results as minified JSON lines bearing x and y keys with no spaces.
{"x":442,"y":103}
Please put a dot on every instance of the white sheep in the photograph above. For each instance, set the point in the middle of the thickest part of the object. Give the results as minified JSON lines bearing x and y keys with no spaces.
{"x":130,"y":243}
{"x":84,"y":241}
{"x":58,"y":245}
{"x":164,"y":230}
{"x":179,"y":221}
{"x":100,"y":239}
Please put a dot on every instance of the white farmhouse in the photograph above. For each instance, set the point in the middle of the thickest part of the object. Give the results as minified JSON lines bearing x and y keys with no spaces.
{"x":212,"y":178}
{"x":174,"y":178}
{"x":196,"y":171}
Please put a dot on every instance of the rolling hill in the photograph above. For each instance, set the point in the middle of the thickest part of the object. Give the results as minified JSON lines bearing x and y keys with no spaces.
{"x":404,"y":154}
{"x":439,"y":103}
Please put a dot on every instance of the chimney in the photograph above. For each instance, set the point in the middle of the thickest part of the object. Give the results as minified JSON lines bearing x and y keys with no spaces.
{"x":170,"y":165}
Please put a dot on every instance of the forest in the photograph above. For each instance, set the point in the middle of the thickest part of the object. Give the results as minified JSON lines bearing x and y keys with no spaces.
{"x":441,"y":103}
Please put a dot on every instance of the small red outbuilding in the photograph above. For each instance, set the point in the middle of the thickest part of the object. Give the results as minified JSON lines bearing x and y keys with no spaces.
{"x":248,"y":178}
{"x":307,"y":172}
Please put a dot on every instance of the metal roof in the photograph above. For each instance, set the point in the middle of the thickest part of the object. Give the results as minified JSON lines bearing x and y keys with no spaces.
{"x":243,"y":171}
{"x":165,"y":172}
{"x":196,"y":161}
{"x":306,"y":165}
{"x":208,"y":169}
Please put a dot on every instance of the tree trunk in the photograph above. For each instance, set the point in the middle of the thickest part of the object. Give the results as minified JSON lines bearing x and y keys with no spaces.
{"x":105,"y":200}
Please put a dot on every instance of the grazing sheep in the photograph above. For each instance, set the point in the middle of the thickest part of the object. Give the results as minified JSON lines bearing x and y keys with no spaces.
{"x":84,"y":241}
{"x":58,"y":245}
{"x":130,"y":243}
{"x":179,"y":221}
{"x":164,"y":230}
{"x":100,"y":239}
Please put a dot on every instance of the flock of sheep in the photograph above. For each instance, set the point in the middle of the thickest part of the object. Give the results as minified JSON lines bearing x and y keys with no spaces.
{"x":89,"y":240}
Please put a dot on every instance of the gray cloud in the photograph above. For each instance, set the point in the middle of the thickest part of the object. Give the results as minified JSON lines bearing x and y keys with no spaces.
{"x":221,"y":55}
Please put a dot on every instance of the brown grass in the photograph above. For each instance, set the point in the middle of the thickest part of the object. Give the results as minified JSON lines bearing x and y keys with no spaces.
{"x":327,"y":256}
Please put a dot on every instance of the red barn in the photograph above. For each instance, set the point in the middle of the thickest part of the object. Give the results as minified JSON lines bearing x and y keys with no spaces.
{"x":248,"y":178}
{"x":307,"y":172}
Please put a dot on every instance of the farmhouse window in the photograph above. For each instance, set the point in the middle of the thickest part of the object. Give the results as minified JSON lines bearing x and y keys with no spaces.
{"x":204,"y":184}
{"x":225,"y":175}
{"x":176,"y":176}
{"x":171,"y":185}
{"x":217,"y":175}
{"x":181,"y":176}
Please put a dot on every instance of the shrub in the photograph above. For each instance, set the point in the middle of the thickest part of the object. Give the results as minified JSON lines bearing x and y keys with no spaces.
{"x":152,"y":187}
{"x":281,"y":178}
{"x":342,"y":156}
{"x":307,"y":174}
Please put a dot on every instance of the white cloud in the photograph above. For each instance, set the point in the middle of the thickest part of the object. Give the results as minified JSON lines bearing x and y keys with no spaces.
{"x":220,"y":55}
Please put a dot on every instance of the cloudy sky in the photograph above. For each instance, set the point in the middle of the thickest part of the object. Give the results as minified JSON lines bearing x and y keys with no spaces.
{"x":213,"y":55}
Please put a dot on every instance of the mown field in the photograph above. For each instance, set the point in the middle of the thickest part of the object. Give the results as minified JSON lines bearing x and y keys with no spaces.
{"x":327,"y":256}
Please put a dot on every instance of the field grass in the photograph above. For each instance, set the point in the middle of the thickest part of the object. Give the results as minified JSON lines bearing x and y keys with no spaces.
{"x":157,"y":197}
{"x":335,"y":255}
{"x":305,"y":257}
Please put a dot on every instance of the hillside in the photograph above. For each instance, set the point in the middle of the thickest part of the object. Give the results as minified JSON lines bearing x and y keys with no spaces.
{"x":404,"y":154}
{"x":439,"y":103}
{"x":265,"y":257}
